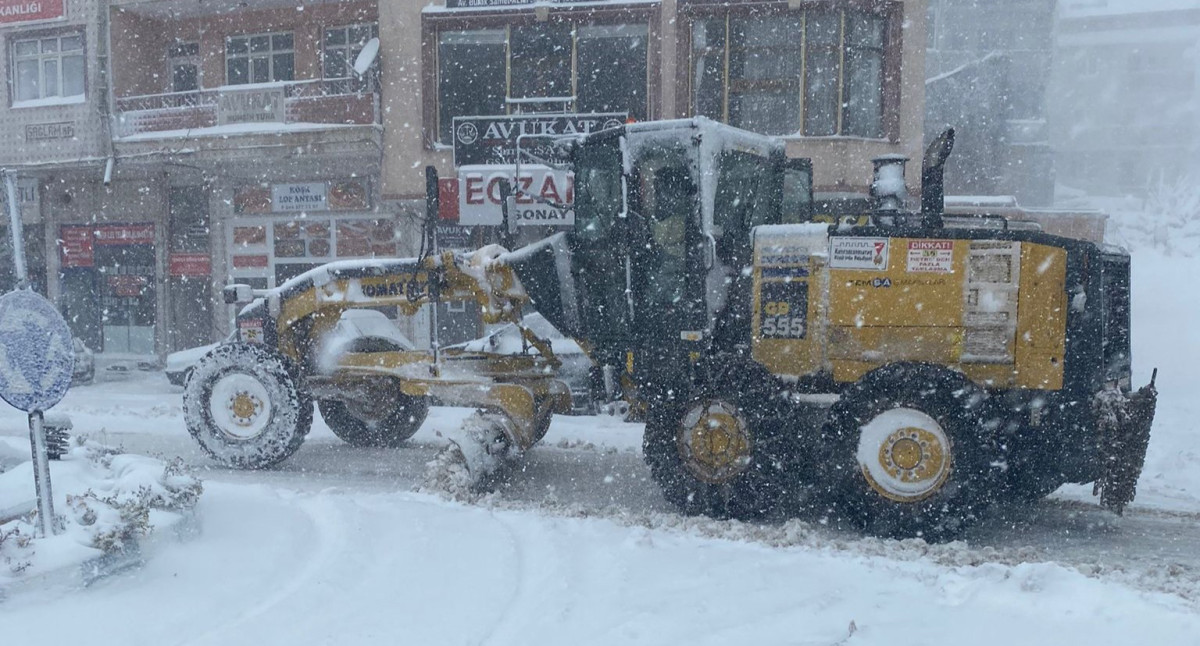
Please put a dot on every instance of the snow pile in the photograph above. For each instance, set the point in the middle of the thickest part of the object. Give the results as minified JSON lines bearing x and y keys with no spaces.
{"x":1166,"y":222}
{"x":104,"y":502}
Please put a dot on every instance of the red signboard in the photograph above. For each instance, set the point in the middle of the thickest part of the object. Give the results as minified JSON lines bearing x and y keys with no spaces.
{"x":124,"y":234}
{"x":250,"y":262}
{"x":190,"y":264}
{"x":15,"y":11}
{"x":448,"y":199}
{"x":76,"y":247}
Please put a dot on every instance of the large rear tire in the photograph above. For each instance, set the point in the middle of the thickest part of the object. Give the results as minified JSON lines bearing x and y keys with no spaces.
{"x":722,"y":451}
{"x":243,"y":406}
{"x":908,"y":453}
{"x":393,"y":430}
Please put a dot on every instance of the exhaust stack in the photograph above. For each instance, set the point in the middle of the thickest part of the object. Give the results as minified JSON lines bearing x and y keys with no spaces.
{"x":933,"y":186}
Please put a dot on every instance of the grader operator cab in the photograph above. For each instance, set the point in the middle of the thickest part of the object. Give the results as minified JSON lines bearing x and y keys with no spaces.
{"x":903,"y":375}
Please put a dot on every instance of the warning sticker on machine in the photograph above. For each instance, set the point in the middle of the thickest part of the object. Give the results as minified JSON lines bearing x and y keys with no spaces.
{"x":931,"y":256}
{"x":858,"y":253}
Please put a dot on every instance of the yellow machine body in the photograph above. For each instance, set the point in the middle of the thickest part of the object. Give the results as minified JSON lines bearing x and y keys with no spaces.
{"x":996,"y":310}
{"x":523,"y":388}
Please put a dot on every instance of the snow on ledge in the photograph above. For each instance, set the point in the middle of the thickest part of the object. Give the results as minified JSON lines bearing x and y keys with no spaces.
{"x":239,"y":129}
{"x":526,"y":6}
{"x":50,"y":101}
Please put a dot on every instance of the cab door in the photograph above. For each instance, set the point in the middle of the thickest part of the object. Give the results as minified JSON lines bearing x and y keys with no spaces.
{"x":669,"y":256}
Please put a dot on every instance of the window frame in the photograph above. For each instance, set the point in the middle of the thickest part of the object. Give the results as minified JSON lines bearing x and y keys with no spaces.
{"x":347,"y":46}
{"x":270,"y":55}
{"x":891,"y":15}
{"x":184,"y":53}
{"x":434,"y":24}
{"x":42,"y":58}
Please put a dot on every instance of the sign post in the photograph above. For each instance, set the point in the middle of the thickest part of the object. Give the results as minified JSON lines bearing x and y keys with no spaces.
{"x":36,"y":362}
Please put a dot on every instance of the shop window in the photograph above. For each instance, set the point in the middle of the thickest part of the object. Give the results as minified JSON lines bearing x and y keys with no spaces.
{"x":282,"y":249}
{"x":540,"y":64}
{"x":611,"y":69}
{"x":342,"y":47}
{"x":541,"y":68}
{"x":471,"y":75}
{"x":48,"y":67}
{"x":813,"y":72}
{"x":260,"y":58}
{"x":109,"y":285}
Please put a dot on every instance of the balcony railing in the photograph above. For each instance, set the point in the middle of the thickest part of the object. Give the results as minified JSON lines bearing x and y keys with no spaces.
{"x":347,"y":101}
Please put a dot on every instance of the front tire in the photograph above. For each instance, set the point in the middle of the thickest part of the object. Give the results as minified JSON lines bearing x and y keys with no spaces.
{"x":908,"y":453}
{"x":243,"y":406}
{"x":393,"y":430}
{"x":722,"y":452}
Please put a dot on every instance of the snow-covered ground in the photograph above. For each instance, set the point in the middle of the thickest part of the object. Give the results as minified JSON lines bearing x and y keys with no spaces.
{"x":336,"y":547}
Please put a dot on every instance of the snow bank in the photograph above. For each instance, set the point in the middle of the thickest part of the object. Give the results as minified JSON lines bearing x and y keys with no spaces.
{"x":104,"y":502}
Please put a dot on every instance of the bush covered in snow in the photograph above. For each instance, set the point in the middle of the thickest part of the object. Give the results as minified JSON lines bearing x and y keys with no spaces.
{"x":105,"y":500}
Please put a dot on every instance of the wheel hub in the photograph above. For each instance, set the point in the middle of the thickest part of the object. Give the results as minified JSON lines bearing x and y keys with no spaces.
{"x":243,"y":407}
{"x":240,"y":405}
{"x":904,"y":455}
{"x":715,"y":442}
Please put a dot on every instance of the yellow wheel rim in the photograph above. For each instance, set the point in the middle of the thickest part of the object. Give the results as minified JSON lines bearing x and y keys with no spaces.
{"x":714,"y":441}
{"x":905,"y":455}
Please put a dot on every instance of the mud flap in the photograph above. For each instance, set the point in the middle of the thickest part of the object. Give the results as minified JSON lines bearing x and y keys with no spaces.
{"x":1123,"y":423}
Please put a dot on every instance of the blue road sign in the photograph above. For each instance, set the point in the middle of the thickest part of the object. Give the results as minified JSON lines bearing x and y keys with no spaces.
{"x":36,"y":354}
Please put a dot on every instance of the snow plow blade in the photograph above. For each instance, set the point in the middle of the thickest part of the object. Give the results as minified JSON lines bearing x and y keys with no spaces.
{"x":476,"y":450}
{"x":1124,"y":422}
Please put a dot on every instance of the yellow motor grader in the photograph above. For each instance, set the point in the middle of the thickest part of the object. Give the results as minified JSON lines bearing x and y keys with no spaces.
{"x":901,"y":369}
{"x":249,"y":403}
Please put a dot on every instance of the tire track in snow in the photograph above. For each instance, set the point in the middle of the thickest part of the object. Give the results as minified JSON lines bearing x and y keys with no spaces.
{"x":328,"y":538}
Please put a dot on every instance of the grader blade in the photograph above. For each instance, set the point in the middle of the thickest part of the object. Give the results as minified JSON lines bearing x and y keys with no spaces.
{"x":475,"y":452}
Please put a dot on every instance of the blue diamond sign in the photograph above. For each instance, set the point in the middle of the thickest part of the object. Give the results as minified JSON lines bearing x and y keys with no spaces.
{"x":36,"y":353}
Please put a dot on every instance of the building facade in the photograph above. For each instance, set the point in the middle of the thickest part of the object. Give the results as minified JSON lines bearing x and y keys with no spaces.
{"x":164,"y":148}
{"x":841,"y":80}
{"x":217,"y":142}
{"x":1125,"y":103}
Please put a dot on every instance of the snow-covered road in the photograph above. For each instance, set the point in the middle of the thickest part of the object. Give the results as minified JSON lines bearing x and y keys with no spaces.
{"x":334,"y":547}
{"x":272,"y":565}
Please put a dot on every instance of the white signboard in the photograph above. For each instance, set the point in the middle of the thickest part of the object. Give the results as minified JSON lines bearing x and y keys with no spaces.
{"x":527,"y":215}
{"x":250,"y":106}
{"x":858,"y":253}
{"x":299,"y":197}
{"x":931,"y":256}
{"x":538,"y":195}
{"x":28,"y":198}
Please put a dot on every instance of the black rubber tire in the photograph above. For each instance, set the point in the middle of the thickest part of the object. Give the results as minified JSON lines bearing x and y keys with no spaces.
{"x":958,"y":406}
{"x":402,"y":423}
{"x":291,"y":410}
{"x":753,"y":493}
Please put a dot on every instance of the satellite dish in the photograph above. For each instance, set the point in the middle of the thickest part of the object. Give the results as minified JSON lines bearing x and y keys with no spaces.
{"x":367,"y":56}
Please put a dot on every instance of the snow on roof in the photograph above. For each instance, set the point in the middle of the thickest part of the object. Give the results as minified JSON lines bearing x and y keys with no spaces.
{"x":1070,"y":9}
